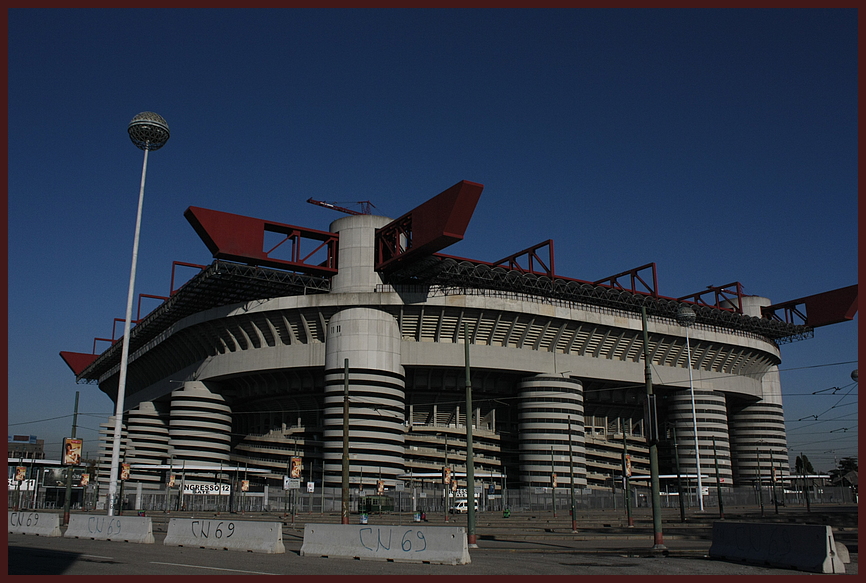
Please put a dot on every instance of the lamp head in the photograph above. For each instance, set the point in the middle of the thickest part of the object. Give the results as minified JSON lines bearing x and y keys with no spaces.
{"x":686,"y":316}
{"x":148,"y":131}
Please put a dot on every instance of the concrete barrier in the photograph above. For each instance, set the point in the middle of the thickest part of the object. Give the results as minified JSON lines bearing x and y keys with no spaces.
{"x":131,"y":529}
{"x":842,"y":552}
{"x":38,"y":523}
{"x":806,"y":547}
{"x":237,"y":535}
{"x":410,"y":544}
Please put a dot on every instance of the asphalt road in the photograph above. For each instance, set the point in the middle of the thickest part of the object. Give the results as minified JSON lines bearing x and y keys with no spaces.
{"x":30,"y":555}
{"x":512,"y":547}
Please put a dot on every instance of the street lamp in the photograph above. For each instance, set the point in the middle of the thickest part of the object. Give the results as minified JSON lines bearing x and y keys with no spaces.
{"x":148,"y":131}
{"x":686,"y":317}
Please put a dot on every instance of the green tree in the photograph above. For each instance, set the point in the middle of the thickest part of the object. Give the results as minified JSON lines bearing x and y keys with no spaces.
{"x":803,"y":465}
{"x":845,"y":465}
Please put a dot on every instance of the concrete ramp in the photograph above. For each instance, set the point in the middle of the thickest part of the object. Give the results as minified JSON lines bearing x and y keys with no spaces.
{"x":806,"y":547}
{"x":236,"y":535}
{"x":131,"y":529}
{"x":38,"y":523}
{"x":410,"y":544}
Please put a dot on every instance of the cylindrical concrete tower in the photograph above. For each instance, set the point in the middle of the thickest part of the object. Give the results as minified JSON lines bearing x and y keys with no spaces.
{"x":148,"y":434}
{"x":200,"y":425}
{"x":758,"y":434}
{"x":544,"y":407}
{"x":370,"y":341}
{"x":712,"y":423}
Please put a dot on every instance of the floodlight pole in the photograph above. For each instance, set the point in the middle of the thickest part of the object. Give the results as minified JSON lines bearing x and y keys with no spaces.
{"x":686,"y":317}
{"x":148,"y":131}
{"x":124,"y":355}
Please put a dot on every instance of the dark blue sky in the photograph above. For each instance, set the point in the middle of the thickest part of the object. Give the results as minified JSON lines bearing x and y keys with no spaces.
{"x":720,"y":144}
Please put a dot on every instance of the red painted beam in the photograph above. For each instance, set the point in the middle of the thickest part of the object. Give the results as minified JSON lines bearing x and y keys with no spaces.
{"x":831,"y":307}
{"x":429,"y":227}
{"x":239,"y":238}
{"x":78,"y":361}
{"x":532,"y":258}
{"x":634,"y":277}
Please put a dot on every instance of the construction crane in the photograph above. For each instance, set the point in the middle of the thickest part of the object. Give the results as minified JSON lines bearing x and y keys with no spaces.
{"x":366,"y":206}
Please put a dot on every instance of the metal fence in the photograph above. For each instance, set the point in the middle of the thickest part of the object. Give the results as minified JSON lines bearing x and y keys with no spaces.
{"x":431,"y":498}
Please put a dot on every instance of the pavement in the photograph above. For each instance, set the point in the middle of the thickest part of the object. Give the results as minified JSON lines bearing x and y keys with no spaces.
{"x":526,"y":543}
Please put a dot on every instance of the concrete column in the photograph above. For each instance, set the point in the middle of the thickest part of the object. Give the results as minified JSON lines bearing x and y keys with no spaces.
{"x":200,"y":425}
{"x":758,"y":433}
{"x":356,"y":253}
{"x":148,"y":437}
{"x":545,"y":403}
{"x":712,"y":415}
{"x":370,"y":340}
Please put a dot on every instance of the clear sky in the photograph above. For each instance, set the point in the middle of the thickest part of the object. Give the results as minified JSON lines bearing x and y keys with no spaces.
{"x":720,"y":144}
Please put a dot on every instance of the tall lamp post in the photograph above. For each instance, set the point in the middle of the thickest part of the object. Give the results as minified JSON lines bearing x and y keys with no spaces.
{"x":686,"y":317}
{"x":148,"y":131}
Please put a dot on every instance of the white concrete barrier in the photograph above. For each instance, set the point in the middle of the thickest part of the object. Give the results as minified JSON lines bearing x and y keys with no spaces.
{"x":807,"y":547}
{"x":237,"y":535}
{"x":38,"y":523}
{"x":411,"y":544}
{"x":131,"y":529}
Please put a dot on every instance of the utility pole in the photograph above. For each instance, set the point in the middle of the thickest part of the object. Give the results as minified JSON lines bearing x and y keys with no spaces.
{"x":773,"y":476}
{"x":652,"y":440}
{"x":571,"y":477}
{"x":625,"y":475}
{"x":680,"y":493}
{"x":446,"y":485}
{"x":805,"y":488}
{"x":553,"y":481}
{"x":760,"y":481}
{"x":470,"y":463}
{"x":718,"y":481}
{"x":69,"y":468}
{"x":345,"y":491}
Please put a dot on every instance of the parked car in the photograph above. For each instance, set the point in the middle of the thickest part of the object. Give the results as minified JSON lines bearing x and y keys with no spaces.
{"x":462,"y":506}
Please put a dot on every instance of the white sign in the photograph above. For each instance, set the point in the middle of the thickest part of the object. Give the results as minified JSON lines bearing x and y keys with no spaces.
{"x":311,"y":486}
{"x":211,"y":489}
{"x":291,"y":483}
{"x":25,"y":484}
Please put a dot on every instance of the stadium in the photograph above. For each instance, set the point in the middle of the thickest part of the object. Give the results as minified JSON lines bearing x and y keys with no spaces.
{"x":246,"y":365}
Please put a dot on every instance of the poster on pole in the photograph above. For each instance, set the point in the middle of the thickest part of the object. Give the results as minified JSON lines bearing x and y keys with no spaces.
{"x":72,"y":451}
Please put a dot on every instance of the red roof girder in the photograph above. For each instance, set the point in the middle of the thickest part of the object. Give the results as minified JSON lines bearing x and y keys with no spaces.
{"x":239,"y":238}
{"x":823,"y":309}
{"x":428,"y":228}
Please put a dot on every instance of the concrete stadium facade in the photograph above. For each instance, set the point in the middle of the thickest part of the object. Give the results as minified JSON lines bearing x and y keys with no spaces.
{"x":558,"y":384}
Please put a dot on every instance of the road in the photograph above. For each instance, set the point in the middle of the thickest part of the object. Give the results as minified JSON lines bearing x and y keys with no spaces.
{"x":525,"y":544}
